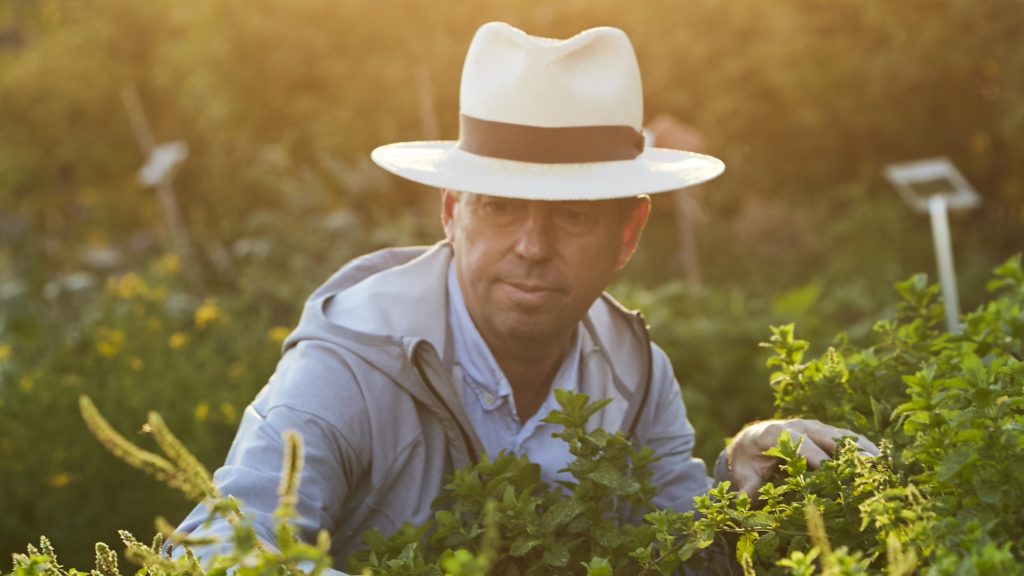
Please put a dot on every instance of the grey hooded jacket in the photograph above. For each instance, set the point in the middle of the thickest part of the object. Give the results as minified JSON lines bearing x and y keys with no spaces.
{"x":383,"y":422}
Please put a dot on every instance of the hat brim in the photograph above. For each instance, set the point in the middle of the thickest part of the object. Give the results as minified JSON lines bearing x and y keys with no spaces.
{"x":442,"y":164}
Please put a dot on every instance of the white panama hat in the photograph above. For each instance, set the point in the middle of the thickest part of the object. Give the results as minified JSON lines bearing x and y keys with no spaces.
{"x":545,"y":119}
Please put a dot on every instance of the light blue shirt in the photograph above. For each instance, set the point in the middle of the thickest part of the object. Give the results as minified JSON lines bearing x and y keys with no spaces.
{"x":488,"y":398}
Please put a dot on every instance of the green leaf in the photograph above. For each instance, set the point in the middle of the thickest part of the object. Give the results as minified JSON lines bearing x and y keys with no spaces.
{"x":767,"y":545}
{"x":917,"y":421}
{"x":609,"y":476}
{"x":745,"y":552}
{"x":599,"y":567}
{"x":522,"y":545}
{"x":562,"y":512}
{"x":974,"y":370}
{"x":952,"y":464}
{"x":557,"y":555}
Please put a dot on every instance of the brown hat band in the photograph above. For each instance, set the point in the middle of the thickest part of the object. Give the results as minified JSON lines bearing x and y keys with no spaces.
{"x":560,"y":145}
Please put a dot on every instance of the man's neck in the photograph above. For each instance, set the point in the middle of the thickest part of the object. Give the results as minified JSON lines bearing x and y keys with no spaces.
{"x":530,"y":370}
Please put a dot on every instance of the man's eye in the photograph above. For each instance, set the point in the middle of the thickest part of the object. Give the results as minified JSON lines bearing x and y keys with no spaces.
{"x":501,"y":207}
{"x":575,"y":217}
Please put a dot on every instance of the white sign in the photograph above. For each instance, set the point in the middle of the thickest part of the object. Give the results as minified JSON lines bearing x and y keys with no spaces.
{"x":919,"y":181}
{"x":163,"y":163}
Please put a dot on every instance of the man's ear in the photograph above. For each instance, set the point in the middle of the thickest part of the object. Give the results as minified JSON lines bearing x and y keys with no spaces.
{"x":449,"y":200}
{"x":632,"y":229}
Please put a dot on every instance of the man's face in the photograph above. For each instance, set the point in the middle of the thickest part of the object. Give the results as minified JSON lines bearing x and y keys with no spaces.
{"x":530,"y":270}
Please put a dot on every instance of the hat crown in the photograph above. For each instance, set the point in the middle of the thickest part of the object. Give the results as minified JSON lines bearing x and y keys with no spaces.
{"x":591,"y":79}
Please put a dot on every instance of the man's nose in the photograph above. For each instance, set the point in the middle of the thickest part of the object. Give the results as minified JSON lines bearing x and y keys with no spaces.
{"x":536,"y":235}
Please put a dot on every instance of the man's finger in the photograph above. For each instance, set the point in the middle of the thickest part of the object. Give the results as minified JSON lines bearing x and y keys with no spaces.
{"x":827,"y":438}
{"x":867,"y":446}
{"x":812,"y":452}
{"x":747,"y":478}
{"x":824,"y":436}
{"x":752,"y":489}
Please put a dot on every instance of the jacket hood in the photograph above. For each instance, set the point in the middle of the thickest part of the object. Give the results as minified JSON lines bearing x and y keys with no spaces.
{"x":368,"y":301}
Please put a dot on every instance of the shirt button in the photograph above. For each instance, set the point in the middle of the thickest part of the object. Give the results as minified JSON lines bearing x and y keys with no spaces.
{"x":489,"y":398}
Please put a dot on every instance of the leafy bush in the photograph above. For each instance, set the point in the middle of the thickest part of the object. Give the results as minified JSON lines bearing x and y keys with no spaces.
{"x":712,"y":336}
{"x":952,"y":405}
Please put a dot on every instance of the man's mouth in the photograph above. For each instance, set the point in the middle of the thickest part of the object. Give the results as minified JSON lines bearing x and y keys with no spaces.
{"x":531,"y":287}
{"x":529,"y":293}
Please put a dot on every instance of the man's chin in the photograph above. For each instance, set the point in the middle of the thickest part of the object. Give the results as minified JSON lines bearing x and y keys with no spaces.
{"x":534,"y":330}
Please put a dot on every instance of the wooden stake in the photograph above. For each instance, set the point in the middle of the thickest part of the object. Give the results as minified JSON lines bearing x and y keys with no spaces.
{"x":181,"y":244}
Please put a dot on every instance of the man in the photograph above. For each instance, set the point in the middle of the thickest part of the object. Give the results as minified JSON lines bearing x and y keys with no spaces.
{"x":410,"y":363}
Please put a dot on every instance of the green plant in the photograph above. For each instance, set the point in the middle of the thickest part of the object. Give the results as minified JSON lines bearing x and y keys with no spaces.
{"x":952,"y":407}
{"x":133,"y":342}
{"x":244,"y":554}
{"x":545,"y":529}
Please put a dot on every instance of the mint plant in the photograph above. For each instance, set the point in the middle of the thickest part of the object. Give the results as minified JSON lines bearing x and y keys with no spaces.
{"x":501,"y":509}
{"x":950,"y":405}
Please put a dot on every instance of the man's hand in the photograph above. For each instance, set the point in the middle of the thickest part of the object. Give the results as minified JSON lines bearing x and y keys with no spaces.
{"x":749,"y":468}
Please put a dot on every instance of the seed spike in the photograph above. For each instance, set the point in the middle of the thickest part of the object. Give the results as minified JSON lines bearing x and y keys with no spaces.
{"x":192,"y":477}
{"x":121,"y":447}
{"x":291,"y":475}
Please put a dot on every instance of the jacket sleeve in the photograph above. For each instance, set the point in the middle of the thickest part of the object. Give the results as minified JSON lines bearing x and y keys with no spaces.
{"x":309,"y":393}
{"x":666,"y":429}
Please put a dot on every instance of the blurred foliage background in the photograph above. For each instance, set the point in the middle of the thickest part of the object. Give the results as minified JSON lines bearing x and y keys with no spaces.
{"x":280,"y":102}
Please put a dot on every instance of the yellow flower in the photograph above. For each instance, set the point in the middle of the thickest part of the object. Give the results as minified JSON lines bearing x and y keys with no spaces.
{"x":136,"y":363}
{"x":128,"y":286}
{"x":59,"y":480}
{"x":277,"y":334}
{"x":202,"y":411}
{"x":170,"y":264}
{"x":208,"y":313}
{"x":5,"y":352}
{"x":228,"y":412}
{"x":27,"y":383}
{"x":109,"y":342}
{"x":177,"y":340}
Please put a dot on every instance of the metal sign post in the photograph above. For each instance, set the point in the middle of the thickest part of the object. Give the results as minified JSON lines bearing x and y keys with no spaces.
{"x":935,"y":186}
{"x":939,"y":213}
